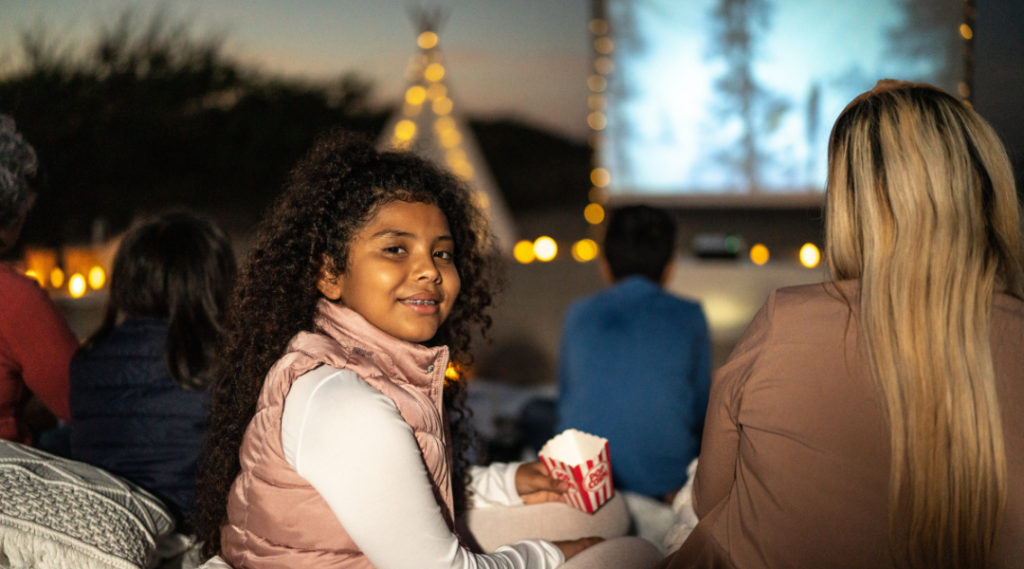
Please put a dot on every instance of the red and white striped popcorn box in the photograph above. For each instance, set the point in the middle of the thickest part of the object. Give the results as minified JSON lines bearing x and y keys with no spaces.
{"x":582,"y":460}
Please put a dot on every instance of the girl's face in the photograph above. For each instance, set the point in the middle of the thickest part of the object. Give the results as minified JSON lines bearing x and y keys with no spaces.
{"x":401,"y":273}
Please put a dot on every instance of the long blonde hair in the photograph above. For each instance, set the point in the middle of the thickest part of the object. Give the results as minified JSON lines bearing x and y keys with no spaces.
{"x":921,"y":208}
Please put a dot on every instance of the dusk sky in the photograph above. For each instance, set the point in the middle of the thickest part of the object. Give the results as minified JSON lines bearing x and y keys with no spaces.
{"x":524,"y":58}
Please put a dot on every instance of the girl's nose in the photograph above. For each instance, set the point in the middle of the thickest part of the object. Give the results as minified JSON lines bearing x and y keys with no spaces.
{"x":426,"y":270}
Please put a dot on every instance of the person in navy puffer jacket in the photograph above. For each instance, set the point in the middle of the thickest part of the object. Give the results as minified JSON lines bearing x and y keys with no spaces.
{"x":139,"y":397}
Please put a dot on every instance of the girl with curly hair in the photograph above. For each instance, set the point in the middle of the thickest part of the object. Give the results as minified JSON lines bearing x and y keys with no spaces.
{"x":329,"y":442}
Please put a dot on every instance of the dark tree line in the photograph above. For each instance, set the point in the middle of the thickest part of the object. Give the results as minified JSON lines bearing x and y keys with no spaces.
{"x":149,"y":116}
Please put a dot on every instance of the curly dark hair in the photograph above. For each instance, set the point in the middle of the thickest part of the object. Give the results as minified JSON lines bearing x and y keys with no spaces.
{"x":331,"y":194}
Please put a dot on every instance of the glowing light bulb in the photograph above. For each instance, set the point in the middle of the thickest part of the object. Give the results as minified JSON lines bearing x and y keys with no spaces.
{"x":604,"y":45}
{"x":437,"y":91}
{"x":427,"y":40}
{"x":600,"y":177}
{"x":442,"y":106}
{"x":405,"y":130}
{"x":97,"y":278}
{"x":545,"y":248}
{"x":434,"y":72}
{"x":76,"y":286}
{"x":604,"y":65}
{"x":809,"y":255}
{"x":584,"y":250}
{"x":593,"y":213}
{"x":56,"y":277}
{"x":523,"y":252}
{"x":759,"y":254}
{"x":416,"y":95}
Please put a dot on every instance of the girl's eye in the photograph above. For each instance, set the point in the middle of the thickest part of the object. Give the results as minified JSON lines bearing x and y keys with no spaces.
{"x":446,"y":255}
{"x":396,"y":250}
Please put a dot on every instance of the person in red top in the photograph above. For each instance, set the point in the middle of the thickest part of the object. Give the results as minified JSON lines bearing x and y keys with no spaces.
{"x":36,"y":343}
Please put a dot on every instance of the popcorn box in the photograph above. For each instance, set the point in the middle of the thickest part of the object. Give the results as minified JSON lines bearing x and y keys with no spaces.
{"x":582,"y":460}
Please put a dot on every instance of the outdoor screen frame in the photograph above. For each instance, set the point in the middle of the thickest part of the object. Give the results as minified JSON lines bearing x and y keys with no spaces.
{"x":917,"y":40}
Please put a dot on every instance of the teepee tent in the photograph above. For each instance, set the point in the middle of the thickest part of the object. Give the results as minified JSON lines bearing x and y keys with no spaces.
{"x":429,"y":125}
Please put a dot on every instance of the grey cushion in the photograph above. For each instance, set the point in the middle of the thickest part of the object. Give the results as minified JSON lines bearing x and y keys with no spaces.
{"x":57,"y":513}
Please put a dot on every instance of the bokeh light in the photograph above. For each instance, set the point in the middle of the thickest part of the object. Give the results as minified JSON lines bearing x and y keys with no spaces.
{"x":966,"y":31}
{"x":416,"y":95}
{"x":56,"y":278}
{"x":437,"y":91}
{"x":584,"y":250}
{"x":523,"y":252}
{"x":598,"y":27}
{"x":600,"y":177}
{"x":97,"y":278}
{"x":598,"y":195}
{"x":405,"y":130}
{"x":597,"y":121}
{"x":604,"y":65}
{"x":35,"y":276}
{"x":76,"y":286}
{"x":434,"y":72}
{"x":597,"y":83}
{"x":545,"y":248}
{"x":604,"y":45}
{"x":593,"y":213}
{"x":427,"y":40}
{"x":449,"y":138}
{"x":442,"y":106}
{"x":759,"y":254}
{"x":809,"y":255}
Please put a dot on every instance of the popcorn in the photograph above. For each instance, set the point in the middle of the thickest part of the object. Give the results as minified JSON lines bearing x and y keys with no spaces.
{"x":582,"y":460}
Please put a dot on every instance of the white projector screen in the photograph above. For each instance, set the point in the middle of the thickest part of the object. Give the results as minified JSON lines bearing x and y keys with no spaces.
{"x":734,"y":99}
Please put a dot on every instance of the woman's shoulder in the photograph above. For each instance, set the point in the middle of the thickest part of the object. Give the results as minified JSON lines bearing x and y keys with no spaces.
{"x":807,"y":313}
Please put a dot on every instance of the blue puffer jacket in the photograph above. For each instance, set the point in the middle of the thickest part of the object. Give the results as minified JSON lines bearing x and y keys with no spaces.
{"x":129,"y":417}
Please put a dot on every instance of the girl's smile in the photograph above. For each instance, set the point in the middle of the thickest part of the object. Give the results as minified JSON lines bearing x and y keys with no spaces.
{"x":401,"y":273}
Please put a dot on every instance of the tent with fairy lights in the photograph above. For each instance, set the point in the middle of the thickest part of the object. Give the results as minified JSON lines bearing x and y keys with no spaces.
{"x":429,"y":125}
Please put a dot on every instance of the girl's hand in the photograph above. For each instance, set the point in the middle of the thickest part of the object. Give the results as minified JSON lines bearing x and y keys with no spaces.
{"x":571,"y":548}
{"x":535,"y":486}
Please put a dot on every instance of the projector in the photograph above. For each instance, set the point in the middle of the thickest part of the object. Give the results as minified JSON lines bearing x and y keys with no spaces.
{"x":718,"y":246}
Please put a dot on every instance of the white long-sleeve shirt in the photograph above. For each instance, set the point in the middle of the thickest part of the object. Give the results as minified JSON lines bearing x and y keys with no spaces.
{"x":352,"y":445}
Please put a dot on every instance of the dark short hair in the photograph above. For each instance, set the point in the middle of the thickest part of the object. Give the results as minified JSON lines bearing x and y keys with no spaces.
{"x":640,"y":241}
{"x":18,"y":165}
{"x":181,"y":268}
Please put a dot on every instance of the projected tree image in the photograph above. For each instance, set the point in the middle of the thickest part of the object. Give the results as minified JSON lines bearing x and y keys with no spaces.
{"x":927,"y":43}
{"x":738,"y":26}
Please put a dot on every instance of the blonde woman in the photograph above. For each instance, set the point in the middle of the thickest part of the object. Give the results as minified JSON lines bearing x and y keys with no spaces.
{"x":878,"y":420}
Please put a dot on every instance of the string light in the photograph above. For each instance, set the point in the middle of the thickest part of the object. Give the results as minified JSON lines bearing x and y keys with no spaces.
{"x":603,"y":45}
{"x":597,"y":121}
{"x":598,"y":27}
{"x":597,"y":83}
{"x":597,"y":102}
{"x":444,"y":123}
{"x":593,"y":213}
{"x":56,"y":277}
{"x":809,"y":255}
{"x":600,"y":177}
{"x":598,"y":195}
{"x":405,"y":130}
{"x":76,"y":286}
{"x":603,"y":65}
{"x":434,"y":72}
{"x":966,"y":31}
{"x":97,"y":278}
{"x":584,"y":250}
{"x":759,"y":254}
{"x":443,"y":106}
{"x":427,"y":40}
{"x":416,"y":95}
{"x":523,"y":252}
{"x":545,"y":248}
{"x":449,"y":138}
{"x":35,"y":276}
{"x":437,"y":91}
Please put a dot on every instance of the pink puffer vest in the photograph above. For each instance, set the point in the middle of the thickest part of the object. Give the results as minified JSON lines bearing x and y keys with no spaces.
{"x":275,"y":518}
